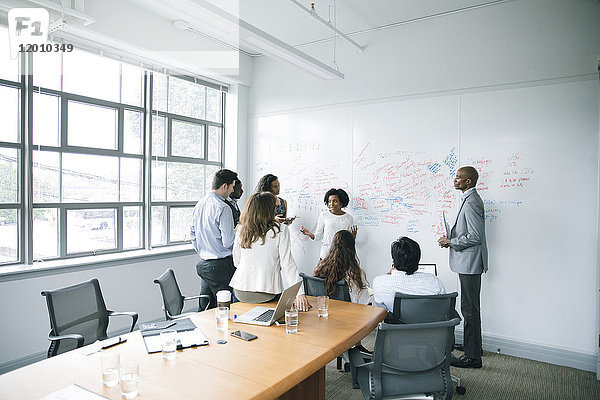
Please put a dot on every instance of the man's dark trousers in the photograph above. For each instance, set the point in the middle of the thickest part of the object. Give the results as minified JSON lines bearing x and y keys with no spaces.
{"x":216,"y":275}
{"x":470,"y":288}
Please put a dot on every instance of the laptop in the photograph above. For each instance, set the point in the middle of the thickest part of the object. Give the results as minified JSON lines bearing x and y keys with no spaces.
{"x":266,"y":316}
{"x":429,"y":268}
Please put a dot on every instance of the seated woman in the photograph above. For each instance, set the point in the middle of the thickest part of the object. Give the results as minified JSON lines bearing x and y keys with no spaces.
{"x":341,"y":262}
{"x":262,"y":255}
{"x":270,"y":183}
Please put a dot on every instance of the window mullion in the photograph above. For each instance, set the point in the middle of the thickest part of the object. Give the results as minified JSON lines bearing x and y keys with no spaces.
{"x":27,"y":158}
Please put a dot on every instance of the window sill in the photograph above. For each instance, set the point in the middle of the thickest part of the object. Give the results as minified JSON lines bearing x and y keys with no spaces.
{"x":21,"y":271}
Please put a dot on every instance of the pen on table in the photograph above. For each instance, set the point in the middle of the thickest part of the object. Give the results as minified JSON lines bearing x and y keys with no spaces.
{"x":121,"y":340}
{"x":160,"y":329}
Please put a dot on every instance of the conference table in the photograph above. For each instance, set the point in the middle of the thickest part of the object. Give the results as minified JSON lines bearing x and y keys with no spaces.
{"x":276,"y":365}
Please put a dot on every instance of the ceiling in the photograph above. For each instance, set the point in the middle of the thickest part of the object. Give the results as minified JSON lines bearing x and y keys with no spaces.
{"x":288,"y":22}
{"x":280,"y":29}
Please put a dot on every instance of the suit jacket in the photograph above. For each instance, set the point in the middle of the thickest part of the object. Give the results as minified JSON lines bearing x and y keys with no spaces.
{"x":468,"y":247}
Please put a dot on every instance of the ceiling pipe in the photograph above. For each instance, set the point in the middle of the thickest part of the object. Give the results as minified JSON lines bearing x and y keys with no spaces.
{"x":316,"y":16}
{"x":87,"y":20}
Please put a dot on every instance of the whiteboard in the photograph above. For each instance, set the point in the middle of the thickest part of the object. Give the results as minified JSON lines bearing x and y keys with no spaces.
{"x":537,"y":153}
{"x":309,"y":153}
{"x":536,"y":149}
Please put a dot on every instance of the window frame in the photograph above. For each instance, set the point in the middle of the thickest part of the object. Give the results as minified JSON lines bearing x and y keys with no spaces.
{"x":20,"y":146}
{"x":170,"y":158}
{"x":26,"y":205}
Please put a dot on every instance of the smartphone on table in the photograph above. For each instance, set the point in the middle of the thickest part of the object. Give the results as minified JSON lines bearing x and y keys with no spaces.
{"x":244,"y":335}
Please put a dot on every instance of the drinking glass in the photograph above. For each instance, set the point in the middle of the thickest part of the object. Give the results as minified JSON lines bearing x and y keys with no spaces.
{"x":222,"y":314}
{"x":168,"y":340}
{"x":130,"y":374}
{"x":323,"y":306}
{"x":291,"y":321}
{"x":110,"y":368}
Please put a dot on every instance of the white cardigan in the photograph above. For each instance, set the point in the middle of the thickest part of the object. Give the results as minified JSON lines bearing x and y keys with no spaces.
{"x":269,"y":267}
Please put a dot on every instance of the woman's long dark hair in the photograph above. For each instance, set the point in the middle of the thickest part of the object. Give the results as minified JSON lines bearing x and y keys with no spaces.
{"x":341,"y":262}
{"x":257,"y":219}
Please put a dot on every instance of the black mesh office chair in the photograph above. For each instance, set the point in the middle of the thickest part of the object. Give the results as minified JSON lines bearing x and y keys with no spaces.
{"x":407,"y":359}
{"x":173,"y":300}
{"x":314,"y":286}
{"x":78,"y":316}
{"x":412,"y":309}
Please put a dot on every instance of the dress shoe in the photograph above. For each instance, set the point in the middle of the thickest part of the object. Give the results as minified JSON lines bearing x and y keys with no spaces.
{"x":466,"y":362}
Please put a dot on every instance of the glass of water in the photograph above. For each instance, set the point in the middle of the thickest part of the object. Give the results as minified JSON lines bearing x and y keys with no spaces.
{"x":323,"y":306}
{"x":110,"y":367}
{"x":291,"y":321}
{"x":130,"y":374}
{"x":222,"y":318}
{"x":168,"y":340}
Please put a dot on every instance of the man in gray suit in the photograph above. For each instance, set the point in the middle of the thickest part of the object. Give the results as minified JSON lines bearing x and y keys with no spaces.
{"x":468,"y":258}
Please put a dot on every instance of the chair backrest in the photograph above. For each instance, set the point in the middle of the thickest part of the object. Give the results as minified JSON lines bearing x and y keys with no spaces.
{"x":411,"y":358}
{"x":76,"y":309}
{"x":414,"y":309}
{"x":171,"y":295}
{"x":314,"y":286}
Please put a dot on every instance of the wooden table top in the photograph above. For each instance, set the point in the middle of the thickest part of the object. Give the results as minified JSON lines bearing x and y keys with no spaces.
{"x":264,"y":368}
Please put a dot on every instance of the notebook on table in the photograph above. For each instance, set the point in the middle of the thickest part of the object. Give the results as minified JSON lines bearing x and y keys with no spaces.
{"x":188,"y":335}
{"x":267,"y":316}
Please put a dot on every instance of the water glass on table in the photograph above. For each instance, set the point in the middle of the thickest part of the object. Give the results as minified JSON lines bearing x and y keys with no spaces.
{"x":168,"y":340}
{"x":130,"y":374}
{"x":110,"y":367}
{"x":222,"y":314}
{"x":291,"y":320}
{"x":323,"y":306}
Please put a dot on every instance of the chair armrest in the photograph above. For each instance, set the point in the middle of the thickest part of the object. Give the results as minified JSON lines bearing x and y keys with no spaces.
{"x":133,"y":315}
{"x":200,"y":296}
{"x":357,"y":358}
{"x":73,"y":336}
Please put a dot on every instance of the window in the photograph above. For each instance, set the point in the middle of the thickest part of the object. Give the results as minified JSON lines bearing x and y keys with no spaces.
{"x":11,"y":155}
{"x":186,"y":152}
{"x":94,"y":141}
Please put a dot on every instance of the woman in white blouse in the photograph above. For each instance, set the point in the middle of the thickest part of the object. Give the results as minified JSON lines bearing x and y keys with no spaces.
{"x":262,"y":255}
{"x":333,"y":220}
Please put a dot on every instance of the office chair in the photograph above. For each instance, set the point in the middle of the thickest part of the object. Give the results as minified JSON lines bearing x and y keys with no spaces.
{"x":414,"y":309}
{"x":407,"y":359}
{"x":173,"y":300}
{"x":314,"y":286}
{"x":78,"y":316}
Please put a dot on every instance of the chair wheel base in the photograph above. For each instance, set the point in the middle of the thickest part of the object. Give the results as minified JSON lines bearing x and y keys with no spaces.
{"x":461,"y":390}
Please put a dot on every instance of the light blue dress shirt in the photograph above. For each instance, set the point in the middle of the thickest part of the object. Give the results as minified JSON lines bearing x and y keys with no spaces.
{"x":212,"y":227}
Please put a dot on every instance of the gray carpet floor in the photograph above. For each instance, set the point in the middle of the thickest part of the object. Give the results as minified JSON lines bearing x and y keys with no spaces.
{"x":501,"y":377}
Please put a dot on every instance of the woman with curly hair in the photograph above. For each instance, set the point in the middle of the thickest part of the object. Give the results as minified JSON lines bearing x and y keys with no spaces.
{"x":262,"y":255}
{"x":333,"y":220}
{"x":270,"y":183}
{"x":341,"y":263}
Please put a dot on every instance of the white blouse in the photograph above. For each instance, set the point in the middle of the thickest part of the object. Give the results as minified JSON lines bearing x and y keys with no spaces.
{"x":328,"y":225}
{"x":268,"y":267}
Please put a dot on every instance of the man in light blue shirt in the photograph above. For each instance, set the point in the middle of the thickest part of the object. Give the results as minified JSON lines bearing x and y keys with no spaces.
{"x":212,"y":236}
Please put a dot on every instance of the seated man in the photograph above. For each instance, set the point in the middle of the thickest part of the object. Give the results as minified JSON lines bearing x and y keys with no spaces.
{"x":403,"y":277}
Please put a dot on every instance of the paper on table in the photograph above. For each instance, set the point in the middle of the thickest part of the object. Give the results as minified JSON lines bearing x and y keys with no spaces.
{"x":73,"y":392}
{"x":91,"y":349}
{"x":187,"y":339}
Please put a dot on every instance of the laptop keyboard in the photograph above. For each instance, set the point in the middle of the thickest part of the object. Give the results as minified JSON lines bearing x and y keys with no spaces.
{"x":265,"y":317}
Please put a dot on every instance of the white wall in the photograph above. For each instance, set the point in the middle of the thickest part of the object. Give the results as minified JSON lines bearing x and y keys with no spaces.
{"x":126,"y":286}
{"x":513,"y":44}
